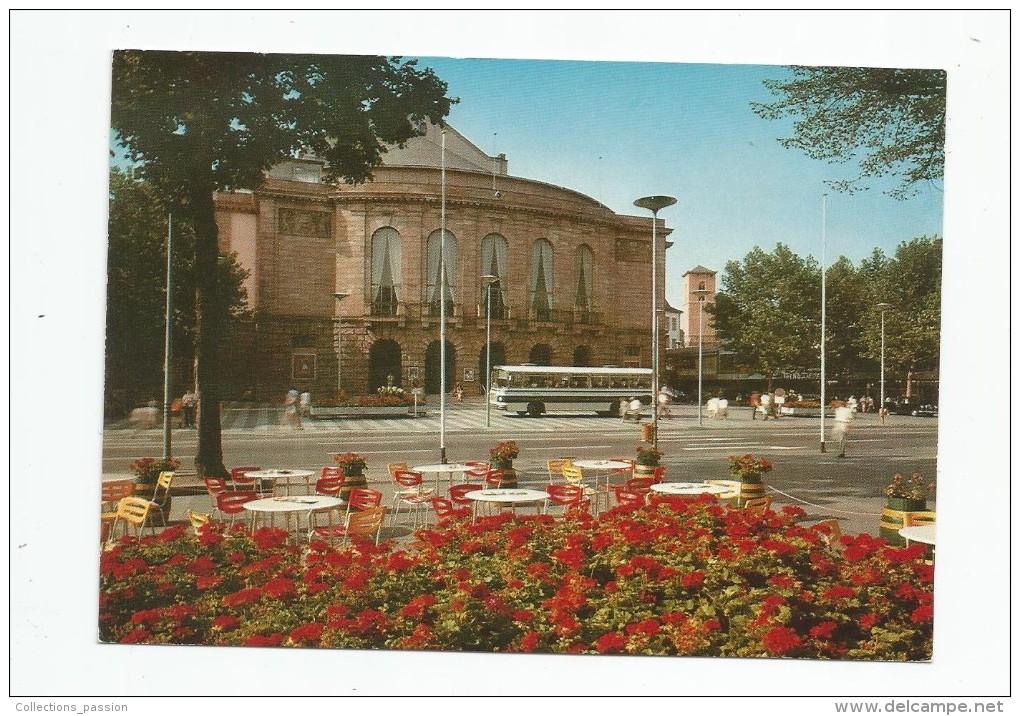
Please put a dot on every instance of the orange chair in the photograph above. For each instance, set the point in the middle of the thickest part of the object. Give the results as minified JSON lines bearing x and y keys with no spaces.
{"x":829,"y":530}
{"x":198,"y":520}
{"x":627,"y":498}
{"x":412,"y":494}
{"x":358,"y":524}
{"x":215,"y":486}
{"x":570,"y":497}
{"x":232,"y":503}
{"x":758,"y":505}
{"x":112,"y":493}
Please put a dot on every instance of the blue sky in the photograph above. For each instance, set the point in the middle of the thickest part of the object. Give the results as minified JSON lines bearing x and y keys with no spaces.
{"x":617,"y":131}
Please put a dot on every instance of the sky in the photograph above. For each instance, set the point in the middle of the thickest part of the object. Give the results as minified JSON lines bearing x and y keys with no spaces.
{"x":617,"y":131}
{"x":681,"y":128}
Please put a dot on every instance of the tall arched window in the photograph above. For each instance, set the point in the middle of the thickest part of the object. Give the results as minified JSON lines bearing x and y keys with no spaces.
{"x":584,"y":266}
{"x":385,"y":271}
{"x":494,"y":263}
{"x":433,"y":266}
{"x":540,"y":297}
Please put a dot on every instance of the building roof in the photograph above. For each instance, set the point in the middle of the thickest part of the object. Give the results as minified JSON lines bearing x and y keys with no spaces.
{"x":701,"y":269}
{"x":427,"y":151}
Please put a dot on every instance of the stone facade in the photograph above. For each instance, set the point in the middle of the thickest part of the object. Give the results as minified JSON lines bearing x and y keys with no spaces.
{"x":699,"y":283}
{"x":304,"y":241}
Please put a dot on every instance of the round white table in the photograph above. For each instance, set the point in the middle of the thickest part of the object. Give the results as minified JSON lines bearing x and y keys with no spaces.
{"x":688,"y":488}
{"x":285,"y":478}
{"x":919,"y":533}
{"x":601,"y":464}
{"x":506,"y":496}
{"x":446,"y":468}
{"x":293,"y":505}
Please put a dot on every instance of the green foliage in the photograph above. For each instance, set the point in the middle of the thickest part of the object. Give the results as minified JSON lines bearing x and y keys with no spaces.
{"x":888,"y":121}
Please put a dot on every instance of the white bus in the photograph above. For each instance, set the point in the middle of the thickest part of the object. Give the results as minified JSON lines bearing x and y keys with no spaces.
{"x":535,"y":389}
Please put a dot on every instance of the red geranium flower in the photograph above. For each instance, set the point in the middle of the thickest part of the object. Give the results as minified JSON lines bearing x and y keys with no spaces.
{"x":693,"y":580}
{"x":307,"y":633}
{"x":924,"y":613}
{"x":825,"y":630}
{"x":225,"y":622}
{"x":838,"y":592}
{"x":136,"y":636}
{"x":780,"y":640}
{"x":528,"y":642}
{"x":280,"y":587}
{"x":242,"y":597}
{"x":611,"y":643}
{"x":869,"y":620}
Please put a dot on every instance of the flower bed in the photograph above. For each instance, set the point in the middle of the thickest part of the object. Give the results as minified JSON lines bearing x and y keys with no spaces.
{"x":687,"y":578}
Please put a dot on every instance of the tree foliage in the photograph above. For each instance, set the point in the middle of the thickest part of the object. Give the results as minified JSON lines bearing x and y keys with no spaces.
{"x":890,"y":121}
{"x":199,"y":122}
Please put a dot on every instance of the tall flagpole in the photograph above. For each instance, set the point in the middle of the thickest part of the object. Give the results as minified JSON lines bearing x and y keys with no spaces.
{"x":442,"y":306}
{"x":166,"y":339}
{"x":822,"y":406}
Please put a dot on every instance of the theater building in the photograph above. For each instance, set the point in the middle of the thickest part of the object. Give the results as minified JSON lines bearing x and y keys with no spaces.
{"x":344,"y":280}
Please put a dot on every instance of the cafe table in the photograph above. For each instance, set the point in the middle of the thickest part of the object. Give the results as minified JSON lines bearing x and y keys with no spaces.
{"x":603,"y":467}
{"x":290,"y":506}
{"x":688,"y":488}
{"x":446,"y":468}
{"x":287,"y":479}
{"x":919,"y":533}
{"x":505,"y":496}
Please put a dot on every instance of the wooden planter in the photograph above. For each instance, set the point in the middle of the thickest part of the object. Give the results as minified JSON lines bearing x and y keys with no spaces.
{"x":750,"y":489}
{"x":350,"y":482}
{"x":644,"y":470}
{"x":894,"y":517}
{"x":509,"y":478}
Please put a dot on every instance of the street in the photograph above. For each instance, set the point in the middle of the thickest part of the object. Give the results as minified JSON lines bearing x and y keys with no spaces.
{"x":825,"y":486}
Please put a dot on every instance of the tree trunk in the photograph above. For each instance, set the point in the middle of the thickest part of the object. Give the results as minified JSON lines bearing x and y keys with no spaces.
{"x":209,"y":324}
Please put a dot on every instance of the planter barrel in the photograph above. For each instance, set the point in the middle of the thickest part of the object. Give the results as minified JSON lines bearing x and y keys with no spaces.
{"x":509,"y":478}
{"x":350,"y":482}
{"x":750,"y":490}
{"x":894,"y":518}
{"x":644,"y":470}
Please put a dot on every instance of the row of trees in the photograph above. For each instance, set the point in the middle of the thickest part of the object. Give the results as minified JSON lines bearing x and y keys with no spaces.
{"x":770,"y":306}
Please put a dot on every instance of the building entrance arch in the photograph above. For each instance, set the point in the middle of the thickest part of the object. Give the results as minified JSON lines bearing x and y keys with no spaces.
{"x":498,"y":357}
{"x":432,"y":368}
{"x":383,"y":364}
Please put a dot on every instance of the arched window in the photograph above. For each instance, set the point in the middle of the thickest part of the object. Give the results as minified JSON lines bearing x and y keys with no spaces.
{"x":385,"y":271}
{"x":494,"y":263}
{"x":584,"y":266}
{"x":540,"y":297}
{"x":433,"y":266}
{"x":701,"y":285}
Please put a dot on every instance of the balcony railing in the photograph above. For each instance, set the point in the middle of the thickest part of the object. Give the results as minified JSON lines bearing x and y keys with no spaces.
{"x":474,"y":314}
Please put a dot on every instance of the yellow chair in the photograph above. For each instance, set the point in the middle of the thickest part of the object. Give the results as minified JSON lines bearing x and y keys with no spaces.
{"x":395,"y":467}
{"x":161,"y":502}
{"x":198,"y":520}
{"x":112,"y":493}
{"x":132,"y":512}
{"x":573,"y":475}
{"x":555,"y":468}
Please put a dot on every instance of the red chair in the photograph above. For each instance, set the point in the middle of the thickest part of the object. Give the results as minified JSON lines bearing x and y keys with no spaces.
{"x":570,"y":497}
{"x":215,"y":486}
{"x":494,"y":478}
{"x":457,"y":492}
{"x":627,"y":498}
{"x":660,"y":474}
{"x":331,"y":471}
{"x":446,"y":510}
{"x":241,"y":482}
{"x":232,"y":503}
{"x":330,"y":486}
{"x":411,"y":494}
{"x":363,"y":498}
{"x":641,"y":485}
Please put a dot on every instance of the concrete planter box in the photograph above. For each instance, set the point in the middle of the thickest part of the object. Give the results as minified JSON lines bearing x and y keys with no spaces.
{"x":382,"y":411}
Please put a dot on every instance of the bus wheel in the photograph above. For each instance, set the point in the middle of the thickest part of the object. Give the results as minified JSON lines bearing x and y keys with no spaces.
{"x":535,"y":409}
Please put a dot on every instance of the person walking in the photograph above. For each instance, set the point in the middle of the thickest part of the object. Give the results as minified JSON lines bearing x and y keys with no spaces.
{"x":189,"y":402}
{"x":290,"y":408}
{"x":664,"y":403}
{"x":305,"y":404}
{"x":841,"y":428}
{"x":754,"y":401}
{"x":766,"y":405}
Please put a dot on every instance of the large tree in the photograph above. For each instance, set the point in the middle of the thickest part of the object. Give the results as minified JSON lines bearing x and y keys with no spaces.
{"x":888,"y":121}
{"x":768,"y":310}
{"x":199,"y":122}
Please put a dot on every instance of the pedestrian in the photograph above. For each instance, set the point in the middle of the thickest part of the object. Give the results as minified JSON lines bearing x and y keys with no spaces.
{"x":290,"y":408}
{"x":189,"y":402}
{"x":841,"y":428}
{"x":664,"y":403}
{"x":623,"y":409}
{"x":778,"y":400}
{"x":852,"y":404}
{"x":305,"y":403}
{"x":766,"y":405}
{"x":633,"y":410}
{"x":458,"y":394}
{"x":754,"y":401}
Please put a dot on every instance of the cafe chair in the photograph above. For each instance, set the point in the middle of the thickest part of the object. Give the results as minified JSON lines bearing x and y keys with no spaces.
{"x":829,"y":531}
{"x":624,"y":473}
{"x":363,"y":498}
{"x":112,"y":493}
{"x":575,"y":476}
{"x":555,"y":468}
{"x":659,"y":475}
{"x":457,"y":493}
{"x":629,"y":499}
{"x":131,"y":512}
{"x":913,"y":519}
{"x":232,"y":503}
{"x":412,"y":495}
{"x":330,"y":486}
{"x":641,"y":485}
{"x":570,"y":497}
{"x":758,"y":505}
{"x":446,"y":510}
{"x":198,"y":520}
{"x":161,"y":495}
{"x":241,"y":482}
{"x":358,"y":524}
{"x":215,"y":486}
{"x":494,"y":478}
{"x":395,"y":467}
{"x":477,"y":470}
{"x":477,"y":464}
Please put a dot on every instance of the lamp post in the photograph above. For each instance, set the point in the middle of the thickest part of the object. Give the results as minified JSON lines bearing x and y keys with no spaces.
{"x":881,"y":382}
{"x":654,"y":204}
{"x":166,"y":339}
{"x":488,"y":280}
{"x":822,"y":345}
{"x":442,"y":302}
{"x":701,"y":346}
{"x":339,"y":338}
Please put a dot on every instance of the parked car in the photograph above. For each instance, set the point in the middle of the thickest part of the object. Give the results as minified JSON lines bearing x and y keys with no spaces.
{"x":921,"y":410}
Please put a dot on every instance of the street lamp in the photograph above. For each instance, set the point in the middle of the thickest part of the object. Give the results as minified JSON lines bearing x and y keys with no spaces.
{"x":822,"y":345}
{"x":654,"y":204}
{"x":881,"y":394}
{"x":488,"y":280}
{"x":166,"y":345}
{"x":701,"y":344}
{"x":339,"y":337}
